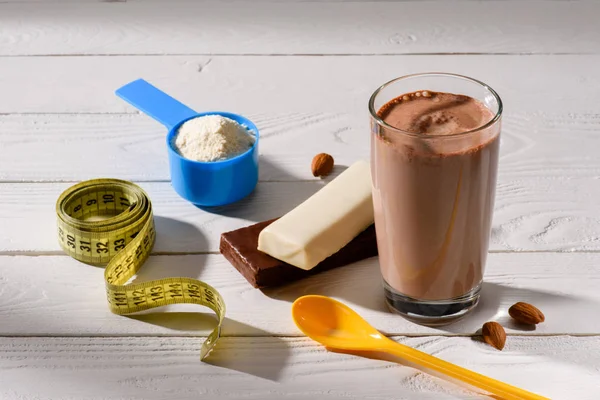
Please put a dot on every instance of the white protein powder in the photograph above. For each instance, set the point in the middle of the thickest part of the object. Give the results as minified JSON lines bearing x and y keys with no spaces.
{"x":212,"y":138}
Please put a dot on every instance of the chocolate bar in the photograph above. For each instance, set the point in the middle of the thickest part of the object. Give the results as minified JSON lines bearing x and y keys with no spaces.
{"x":260,"y":269}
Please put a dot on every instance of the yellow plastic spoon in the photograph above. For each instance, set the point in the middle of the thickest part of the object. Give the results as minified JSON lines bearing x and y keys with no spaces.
{"x":338,"y":327}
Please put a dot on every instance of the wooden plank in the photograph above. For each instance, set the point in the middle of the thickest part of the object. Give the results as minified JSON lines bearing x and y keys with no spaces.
{"x":56,"y":295}
{"x":282,"y":368}
{"x":276,"y":85}
{"x":137,"y":146}
{"x":118,"y":27}
{"x":531,"y":213}
{"x":133,"y":146}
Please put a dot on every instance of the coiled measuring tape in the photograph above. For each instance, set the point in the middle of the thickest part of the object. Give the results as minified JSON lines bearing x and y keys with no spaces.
{"x":123,"y":242}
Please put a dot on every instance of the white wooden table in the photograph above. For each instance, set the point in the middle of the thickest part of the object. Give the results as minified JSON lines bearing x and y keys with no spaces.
{"x":303,"y":72}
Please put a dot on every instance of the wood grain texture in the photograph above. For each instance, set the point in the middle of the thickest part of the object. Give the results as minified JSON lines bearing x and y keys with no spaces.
{"x":56,"y":295}
{"x":276,"y":85}
{"x":531,"y":213}
{"x":133,"y":146}
{"x":115,"y":27}
{"x":282,"y":368}
{"x":60,"y":121}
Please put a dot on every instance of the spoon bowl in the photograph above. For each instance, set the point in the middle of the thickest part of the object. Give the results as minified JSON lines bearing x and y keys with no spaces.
{"x":334,"y":324}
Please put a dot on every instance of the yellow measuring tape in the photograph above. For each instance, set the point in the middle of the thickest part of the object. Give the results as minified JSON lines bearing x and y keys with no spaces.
{"x":123,"y":242}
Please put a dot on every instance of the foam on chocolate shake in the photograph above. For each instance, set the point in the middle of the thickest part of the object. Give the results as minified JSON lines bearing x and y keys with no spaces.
{"x":431,"y":113}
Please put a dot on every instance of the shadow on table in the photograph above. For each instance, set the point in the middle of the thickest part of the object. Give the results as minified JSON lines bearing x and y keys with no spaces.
{"x":260,"y":355}
{"x":360,"y":284}
{"x":269,"y":170}
{"x":269,"y":199}
{"x":496,"y":299}
{"x":203,"y":322}
{"x":188,"y":237}
{"x":172,"y":234}
{"x":263,"y":356}
{"x":256,"y":353}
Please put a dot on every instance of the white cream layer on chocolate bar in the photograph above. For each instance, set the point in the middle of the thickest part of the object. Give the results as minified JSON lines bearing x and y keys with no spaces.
{"x":323,"y":224}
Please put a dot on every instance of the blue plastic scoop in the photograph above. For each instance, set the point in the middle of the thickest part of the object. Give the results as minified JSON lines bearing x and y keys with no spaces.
{"x":205,"y":184}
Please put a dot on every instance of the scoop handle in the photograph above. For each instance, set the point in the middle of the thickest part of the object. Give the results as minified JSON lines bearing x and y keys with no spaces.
{"x":493,"y":386}
{"x":155,"y":103}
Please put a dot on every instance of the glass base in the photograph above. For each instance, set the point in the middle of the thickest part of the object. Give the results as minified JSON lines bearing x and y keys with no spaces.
{"x":431,"y":312}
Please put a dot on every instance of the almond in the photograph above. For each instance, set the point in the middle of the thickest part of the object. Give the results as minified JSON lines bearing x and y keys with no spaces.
{"x":322,"y":164}
{"x":525,"y":313}
{"x":494,"y":335}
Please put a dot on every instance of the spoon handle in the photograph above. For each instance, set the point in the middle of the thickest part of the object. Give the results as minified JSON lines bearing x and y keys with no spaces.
{"x":493,"y":386}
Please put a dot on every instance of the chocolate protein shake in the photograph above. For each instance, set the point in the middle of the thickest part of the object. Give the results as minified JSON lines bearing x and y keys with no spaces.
{"x":434,"y":179}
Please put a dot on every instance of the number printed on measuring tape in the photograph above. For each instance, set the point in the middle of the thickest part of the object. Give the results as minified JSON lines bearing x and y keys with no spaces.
{"x":122,"y":241}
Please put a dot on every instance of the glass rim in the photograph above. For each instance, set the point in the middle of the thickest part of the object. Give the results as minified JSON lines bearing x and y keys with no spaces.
{"x":384,"y":124}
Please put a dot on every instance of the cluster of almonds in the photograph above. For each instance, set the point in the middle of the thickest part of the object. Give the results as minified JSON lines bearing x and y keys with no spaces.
{"x":493,"y":333}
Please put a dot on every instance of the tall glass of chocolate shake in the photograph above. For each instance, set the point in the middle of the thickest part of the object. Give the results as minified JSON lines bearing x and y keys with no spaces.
{"x":434,"y":157}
